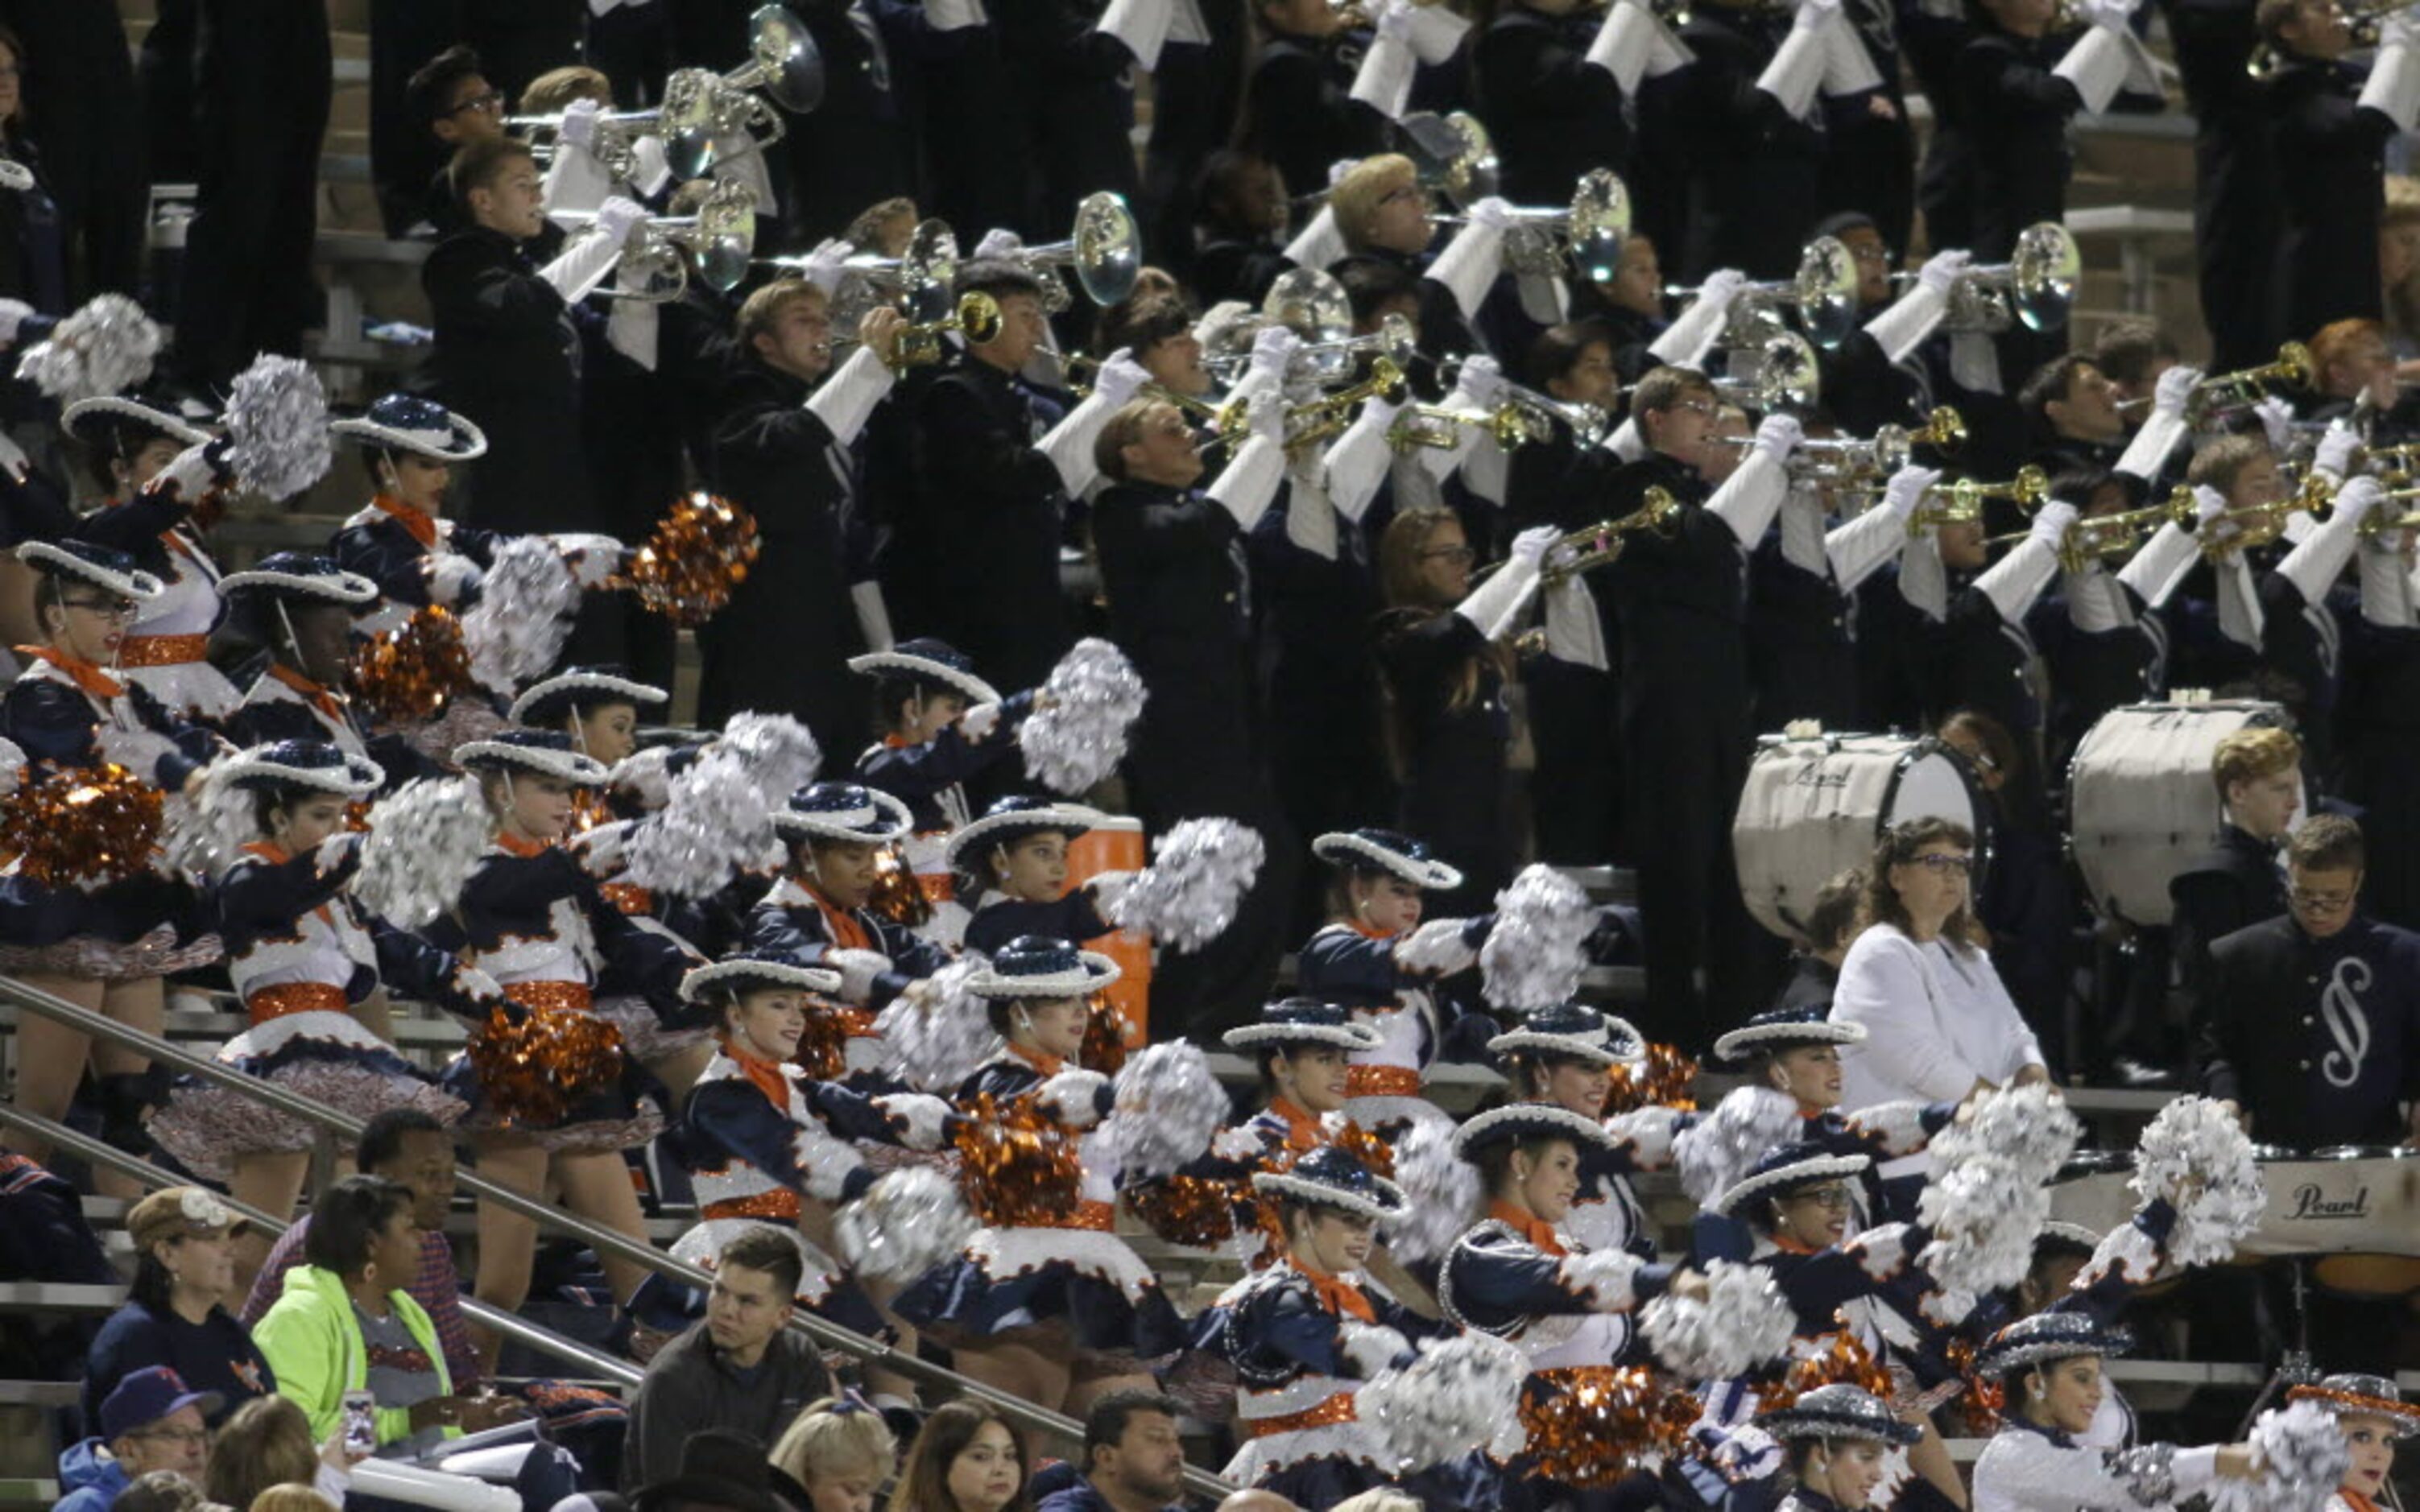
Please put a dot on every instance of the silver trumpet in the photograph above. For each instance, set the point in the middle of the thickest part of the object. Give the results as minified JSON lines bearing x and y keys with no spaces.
{"x":720,"y":237}
{"x":1588,"y":424}
{"x":1305,"y":300}
{"x":1778,"y":372}
{"x":614,"y":143}
{"x":1105,"y":250}
{"x":1587,"y":233}
{"x":2035,"y":286}
{"x":701,"y":107}
{"x":1823,"y":292}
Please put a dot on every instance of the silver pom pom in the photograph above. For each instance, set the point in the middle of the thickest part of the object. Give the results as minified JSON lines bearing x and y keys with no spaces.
{"x":2196,"y":1158}
{"x":1742,"y":1323}
{"x":1443,"y":1188}
{"x":935,"y":1039}
{"x":906,"y":1223}
{"x":1169,"y":1106}
{"x":206,"y":835}
{"x":1076,"y":734}
{"x":1984,"y":1215}
{"x":277,"y":427}
{"x":104,"y":348}
{"x":2026,"y":1129}
{"x":715,"y":817}
{"x":1455,"y":1398}
{"x":1535,"y":953}
{"x":2303,"y":1458}
{"x":516,"y":630}
{"x":424,"y":842}
{"x":780,"y":752}
{"x":12,"y":767}
{"x":1200,"y":871}
{"x":1720,"y":1148}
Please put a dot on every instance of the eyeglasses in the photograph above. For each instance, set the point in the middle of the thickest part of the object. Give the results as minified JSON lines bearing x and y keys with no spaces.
{"x":181,"y":1436}
{"x":2319,"y":902}
{"x":493,"y":99}
{"x":1835,"y":1197}
{"x":1700,"y":406}
{"x":1945,"y":861}
{"x":107,"y":608}
{"x":1449,"y":554}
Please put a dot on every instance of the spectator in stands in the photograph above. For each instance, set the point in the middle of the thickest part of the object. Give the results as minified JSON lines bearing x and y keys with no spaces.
{"x":2399,"y":270}
{"x":149,"y":1422}
{"x":44,"y":1237}
{"x":969,"y":1459}
{"x":840,"y":1453}
{"x":344,"y":1323}
{"x":2355,"y":368}
{"x":1832,"y":922}
{"x":1133,"y":1459}
{"x":407,"y":1145}
{"x":291,"y":1499}
{"x":741,"y":1368}
{"x":184,"y":1268}
{"x":2237,"y":884}
{"x":268,"y":1443}
{"x":92,"y":143}
{"x":33,"y":243}
{"x":451,"y":98}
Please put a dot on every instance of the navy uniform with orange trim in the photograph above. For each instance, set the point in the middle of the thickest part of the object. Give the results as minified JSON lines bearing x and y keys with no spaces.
{"x":2027,"y":1465}
{"x":1890,"y":1133}
{"x":302,"y":952}
{"x":299,"y":692}
{"x":2354,"y":1396}
{"x":1606,"y":1215}
{"x":1829,"y":1415}
{"x":997,"y":917}
{"x":415,"y":558}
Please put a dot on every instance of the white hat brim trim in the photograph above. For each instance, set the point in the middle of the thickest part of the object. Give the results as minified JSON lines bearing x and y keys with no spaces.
{"x":1806,"y":1170}
{"x":1342,"y":1036}
{"x":358,"y":777}
{"x":2047,"y":1351}
{"x":1320,"y":1194}
{"x":1794,"y":1422}
{"x":1094,"y":972}
{"x":343,"y":588}
{"x":768,"y":974}
{"x":570,"y":766}
{"x":1599,"y":1052}
{"x":622,"y":688}
{"x":138,"y":585}
{"x":466,"y":443}
{"x":875,"y":663}
{"x":175,"y":426}
{"x":890,"y":821}
{"x":1822,"y":1031}
{"x":1547,"y":1121}
{"x":1433,"y":875}
{"x":1056,"y":816}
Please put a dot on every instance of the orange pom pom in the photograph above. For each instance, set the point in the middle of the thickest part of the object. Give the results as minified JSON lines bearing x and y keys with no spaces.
{"x":1843,"y":1362}
{"x":532,"y":1071}
{"x":83,"y":827}
{"x":1667,"y":1078}
{"x":697,"y":554}
{"x":1019,"y":1164}
{"x":898,"y":895}
{"x":1198,"y":1211}
{"x":410,"y":673}
{"x":823,"y":1049}
{"x":1590,"y":1426}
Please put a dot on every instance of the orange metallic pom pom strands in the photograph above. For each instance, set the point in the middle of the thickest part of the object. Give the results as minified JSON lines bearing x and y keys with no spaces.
{"x":1590,"y":1426}
{"x":1667,"y":1078}
{"x":1195,"y":1210}
{"x":410,"y":673}
{"x":83,"y":827}
{"x":696,"y":555}
{"x":823,"y":1049}
{"x":898,"y":896}
{"x":533,"y":1070}
{"x":1021,"y":1168}
{"x":1844,"y":1361}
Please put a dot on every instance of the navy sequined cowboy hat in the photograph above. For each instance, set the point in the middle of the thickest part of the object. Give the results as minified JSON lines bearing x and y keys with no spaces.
{"x":756,"y":970}
{"x":842,"y":812}
{"x":1295,"y":1021}
{"x":300,"y":575}
{"x":1785,"y":1029}
{"x":1036,"y":965}
{"x":1013,"y":818}
{"x":1385,"y":851}
{"x":1576,"y":1032}
{"x":928,"y":660}
{"x":548,"y":700}
{"x":1334,"y":1177}
{"x":286,"y":765}
{"x":99,"y":565}
{"x":2047,"y":1337}
{"x":1800,"y":1163}
{"x":1839,"y":1412}
{"x":415,"y":423}
{"x":1525,"y":1120}
{"x":547,"y":752}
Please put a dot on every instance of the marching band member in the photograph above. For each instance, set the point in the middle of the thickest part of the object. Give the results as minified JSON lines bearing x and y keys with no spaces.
{"x":1551,"y":110}
{"x":1835,"y":1440}
{"x":1050,"y":1304}
{"x":312,"y":966}
{"x":1755,"y":160}
{"x":1298,"y":111}
{"x":402,"y":542}
{"x":2049,"y":1365}
{"x":2373,"y":1414}
{"x":1013,"y":865}
{"x":2237,"y":883}
{"x":103,"y":948}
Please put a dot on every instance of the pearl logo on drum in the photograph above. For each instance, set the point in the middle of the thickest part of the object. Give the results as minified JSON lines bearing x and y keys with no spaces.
{"x":2312,"y":1201}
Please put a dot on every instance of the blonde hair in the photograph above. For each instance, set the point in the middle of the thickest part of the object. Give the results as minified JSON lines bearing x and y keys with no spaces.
{"x":1378,"y":1499}
{"x":292,"y":1499}
{"x":266,"y":1443}
{"x":763,"y":308}
{"x":2249,"y":755}
{"x":1356,"y":197}
{"x":821,"y":1440}
{"x":551,"y":92}
{"x":2402,"y":300}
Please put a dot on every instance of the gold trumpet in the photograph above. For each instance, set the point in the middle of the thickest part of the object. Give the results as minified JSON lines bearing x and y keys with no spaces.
{"x":2223,"y":392}
{"x":2232,"y":530}
{"x":1230,"y":421}
{"x":2114,"y":535}
{"x":1962,"y":502}
{"x":1604,"y":541}
{"x":976,"y":317}
{"x":1440,"y":427}
{"x":1327,"y":415}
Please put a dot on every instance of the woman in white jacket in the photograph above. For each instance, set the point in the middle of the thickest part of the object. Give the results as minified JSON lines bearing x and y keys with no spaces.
{"x":1939,"y":1024}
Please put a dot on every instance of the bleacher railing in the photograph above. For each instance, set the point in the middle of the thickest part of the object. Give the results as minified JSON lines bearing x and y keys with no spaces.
{"x":823,"y":1335}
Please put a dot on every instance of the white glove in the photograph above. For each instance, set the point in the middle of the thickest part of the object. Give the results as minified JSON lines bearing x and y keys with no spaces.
{"x":579,"y":126}
{"x":2175,"y":387}
{"x":1814,"y":13}
{"x":1392,"y":18}
{"x":616,"y":216}
{"x":2403,"y":27}
{"x":1481,"y":381}
{"x":1720,"y":288}
{"x":1531,"y":546}
{"x":1265,"y":412}
{"x":2110,"y":15}
{"x":1000,"y":243}
{"x":1778,"y":435}
{"x":1119,"y":378}
{"x":1906,"y":486}
{"x":1941,"y":271}
{"x":1074,"y":1094}
{"x":2208,"y":504}
{"x":2357,"y":498}
{"x":1273,"y":352}
{"x":2276,"y":419}
{"x":2050,"y":522}
{"x":2337,"y":446}
{"x":979,"y":722}
{"x":823,"y":265}
{"x":1373,"y":1347}
{"x":858,"y":969}
{"x":920,"y":1116}
{"x":477,"y":985}
{"x":1493,"y":213}
{"x":451,"y":578}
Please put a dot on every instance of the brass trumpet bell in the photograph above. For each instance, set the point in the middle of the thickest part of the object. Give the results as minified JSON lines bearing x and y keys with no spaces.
{"x":700,"y":106}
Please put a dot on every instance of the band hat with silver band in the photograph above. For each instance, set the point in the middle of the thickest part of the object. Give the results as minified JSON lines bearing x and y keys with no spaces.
{"x":409,"y":423}
{"x":1036,"y":965}
{"x":2353,"y":1395}
{"x":1839,"y":1412}
{"x":1333,"y":1177}
{"x":1574,"y":1031}
{"x":2047,"y":1337}
{"x":99,"y":565}
{"x":844,"y":811}
{"x":1303,"y":1020}
{"x":759,"y":971}
{"x":301,"y":575}
{"x":1388,"y":851}
{"x":1796,"y":1163}
{"x":929,"y":660}
{"x":1527,"y":1120}
{"x":84,"y":419}
{"x":315,"y":765}
{"x":568,"y":686}
{"x":1013,"y":818}
{"x":1785,"y":1029}
{"x":544,"y":752}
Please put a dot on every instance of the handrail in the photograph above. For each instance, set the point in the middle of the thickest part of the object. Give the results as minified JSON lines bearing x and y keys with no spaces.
{"x":620,"y":1372}
{"x":604,"y":1240}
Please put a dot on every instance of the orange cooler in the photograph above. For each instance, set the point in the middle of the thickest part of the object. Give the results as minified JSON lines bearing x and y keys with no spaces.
{"x":1116,"y":845}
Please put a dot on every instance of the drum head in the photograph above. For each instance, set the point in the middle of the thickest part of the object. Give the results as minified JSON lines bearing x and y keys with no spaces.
{"x":1935,"y":782}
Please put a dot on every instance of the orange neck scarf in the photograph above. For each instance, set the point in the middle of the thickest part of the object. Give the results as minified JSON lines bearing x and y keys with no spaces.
{"x":764,"y":1074}
{"x":1527,"y":1225}
{"x":418,"y":521}
{"x":1340,"y":1296}
{"x":318,"y":695}
{"x":1047,"y":1064}
{"x":83,"y":673}
{"x":2356,"y":1501}
{"x":1369,"y":932}
{"x":840,"y":923}
{"x":1303,"y":1132}
{"x":512,"y":844}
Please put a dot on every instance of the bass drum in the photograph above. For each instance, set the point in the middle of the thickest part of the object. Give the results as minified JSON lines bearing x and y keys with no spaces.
{"x":2142,"y":802}
{"x":1813,"y":807}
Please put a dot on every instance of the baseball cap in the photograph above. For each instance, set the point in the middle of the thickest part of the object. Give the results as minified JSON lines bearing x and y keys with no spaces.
{"x":148,"y":1394}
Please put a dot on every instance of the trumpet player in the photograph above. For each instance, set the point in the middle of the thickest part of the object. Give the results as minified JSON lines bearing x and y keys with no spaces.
{"x":2355,"y":376}
{"x":1299,"y":114}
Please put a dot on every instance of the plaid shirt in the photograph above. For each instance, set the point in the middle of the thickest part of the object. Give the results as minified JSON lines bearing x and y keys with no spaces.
{"x":434,"y":1285}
